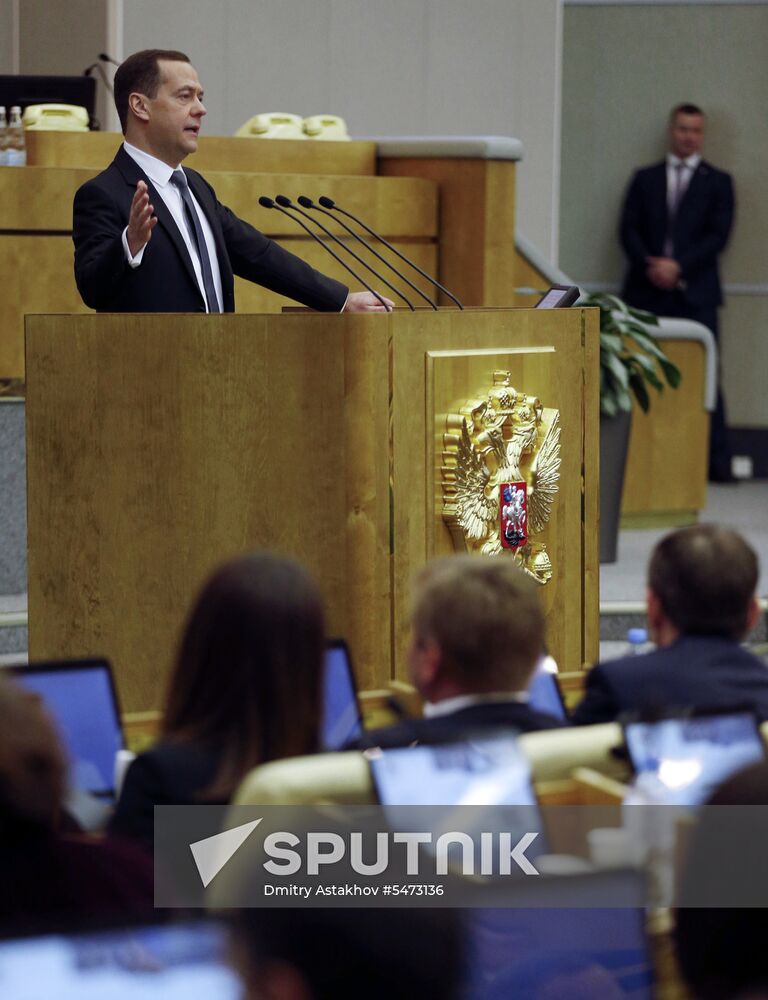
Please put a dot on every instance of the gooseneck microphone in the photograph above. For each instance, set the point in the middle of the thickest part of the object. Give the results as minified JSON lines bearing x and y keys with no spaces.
{"x":286,"y":202}
{"x":268,"y":203}
{"x":105,"y":57}
{"x":329,"y":203}
{"x":308,"y":203}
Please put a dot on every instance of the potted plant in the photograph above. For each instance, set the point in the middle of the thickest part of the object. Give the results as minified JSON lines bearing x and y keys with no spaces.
{"x":631,"y":362}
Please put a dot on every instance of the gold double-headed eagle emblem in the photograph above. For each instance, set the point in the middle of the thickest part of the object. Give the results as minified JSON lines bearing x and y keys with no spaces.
{"x":500,"y":472}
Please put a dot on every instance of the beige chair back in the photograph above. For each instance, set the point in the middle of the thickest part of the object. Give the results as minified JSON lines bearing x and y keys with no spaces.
{"x":554,"y":754}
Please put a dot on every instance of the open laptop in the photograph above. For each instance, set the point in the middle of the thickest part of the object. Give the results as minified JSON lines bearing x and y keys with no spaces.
{"x":544,"y":691}
{"x":694,"y":753}
{"x":166,"y":962}
{"x":81,"y":697}
{"x":342,"y":719}
{"x":561,"y":936}
{"x":488,"y":771}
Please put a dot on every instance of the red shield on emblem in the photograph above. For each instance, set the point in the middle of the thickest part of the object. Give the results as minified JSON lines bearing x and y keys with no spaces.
{"x":513,"y":507}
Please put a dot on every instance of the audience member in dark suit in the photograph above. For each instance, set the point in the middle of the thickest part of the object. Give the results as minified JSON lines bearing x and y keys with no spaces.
{"x":721,"y":923}
{"x":477,"y":634}
{"x":151,"y":237}
{"x":341,"y":954}
{"x":675,"y":223}
{"x":700,"y":605}
{"x":54,"y":878}
{"x":246,"y":689}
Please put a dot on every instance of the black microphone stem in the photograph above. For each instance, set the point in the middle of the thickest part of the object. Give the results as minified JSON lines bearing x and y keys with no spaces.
{"x":325,"y":245}
{"x":396,"y":251}
{"x":373,"y":250}
{"x":357,"y":257}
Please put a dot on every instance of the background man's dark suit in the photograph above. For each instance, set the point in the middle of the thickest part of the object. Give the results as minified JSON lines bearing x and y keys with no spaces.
{"x":459,"y":725}
{"x":694,"y":671}
{"x":165,"y":280}
{"x":700,"y":232}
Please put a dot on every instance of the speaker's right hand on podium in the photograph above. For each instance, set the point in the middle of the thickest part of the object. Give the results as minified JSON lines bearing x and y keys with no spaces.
{"x":141,"y":221}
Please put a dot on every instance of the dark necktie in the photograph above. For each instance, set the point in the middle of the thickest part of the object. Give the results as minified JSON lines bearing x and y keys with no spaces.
{"x":178,"y":177}
{"x":672,"y":207}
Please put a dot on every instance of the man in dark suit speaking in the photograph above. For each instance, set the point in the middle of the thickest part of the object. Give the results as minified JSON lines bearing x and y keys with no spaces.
{"x":676,"y":220}
{"x":152,"y":237}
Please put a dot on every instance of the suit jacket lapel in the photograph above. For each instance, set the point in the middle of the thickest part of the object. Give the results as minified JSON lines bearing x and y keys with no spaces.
{"x":695,"y":187}
{"x":133,"y":174}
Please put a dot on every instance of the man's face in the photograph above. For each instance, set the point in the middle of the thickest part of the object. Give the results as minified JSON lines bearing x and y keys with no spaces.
{"x":686,"y":134}
{"x":175,"y":113}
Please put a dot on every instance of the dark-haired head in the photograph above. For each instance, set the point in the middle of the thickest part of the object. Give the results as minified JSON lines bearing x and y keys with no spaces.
{"x":704,"y":579}
{"x":140,"y":73}
{"x":247,"y":679}
{"x":32,"y":763}
{"x":686,"y":108}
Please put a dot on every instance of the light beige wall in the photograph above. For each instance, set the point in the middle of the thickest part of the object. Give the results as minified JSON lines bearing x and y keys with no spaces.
{"x":63,"y":38}
{"x":623,"y":68}
{"x":403,"y":67}
{"x":6,"y":36}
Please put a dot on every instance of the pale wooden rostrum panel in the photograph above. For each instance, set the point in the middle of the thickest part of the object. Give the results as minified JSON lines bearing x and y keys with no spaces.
{"x":549,"y":355}
{"x":158,"y":446}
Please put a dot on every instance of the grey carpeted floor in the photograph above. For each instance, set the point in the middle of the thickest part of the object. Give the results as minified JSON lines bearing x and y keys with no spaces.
{"x":743,"y":506}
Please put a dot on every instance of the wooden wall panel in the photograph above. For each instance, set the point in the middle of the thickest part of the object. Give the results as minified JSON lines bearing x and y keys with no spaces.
{"x":666,"y":479}
{"x":215,"y":152}
{"x":476,"y":240}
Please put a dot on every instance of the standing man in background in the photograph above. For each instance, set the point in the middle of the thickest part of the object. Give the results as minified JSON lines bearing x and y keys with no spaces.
{"x":676,"y":220}
{"x":152,"y":237}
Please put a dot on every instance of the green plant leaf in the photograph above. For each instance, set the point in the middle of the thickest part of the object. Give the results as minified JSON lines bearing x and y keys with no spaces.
{"x":645,"y":317}
{"x":640,"y":391}
{"x":672,"y":373}
{"x":611,"y":342}
{"x":645,"y":368}
{"x":619,"y":370}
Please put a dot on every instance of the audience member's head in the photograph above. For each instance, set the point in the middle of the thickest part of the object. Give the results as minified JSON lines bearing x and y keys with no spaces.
{"x":248,"y":675}
{"x":686,"y":130}
{"x":32,"y":764}
{"x":721,"y":924}
{"x":477,"y":628}
{"x":315,"y":954}
{"x":701,"y":581}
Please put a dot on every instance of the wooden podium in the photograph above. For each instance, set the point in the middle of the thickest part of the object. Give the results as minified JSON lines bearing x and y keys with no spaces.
{"x":157,"y":445}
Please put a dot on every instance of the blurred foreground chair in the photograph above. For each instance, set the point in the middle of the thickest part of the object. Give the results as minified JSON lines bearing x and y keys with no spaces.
{"x":320,"y":779}
{"x":554,"y":754}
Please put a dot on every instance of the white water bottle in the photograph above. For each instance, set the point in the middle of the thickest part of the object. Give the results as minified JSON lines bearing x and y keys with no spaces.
{"x":3,"y":136}
{"x":16,"y":148}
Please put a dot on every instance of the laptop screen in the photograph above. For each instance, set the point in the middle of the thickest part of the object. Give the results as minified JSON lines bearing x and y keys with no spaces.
{"x":80,"y":697}
{"x":544,"y":692}
{"x":169,"y":962}
{"x":592,"y":944}
{"x":341,"y":712}
{"x":692,"y":756}
{"x":487,"y":772}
